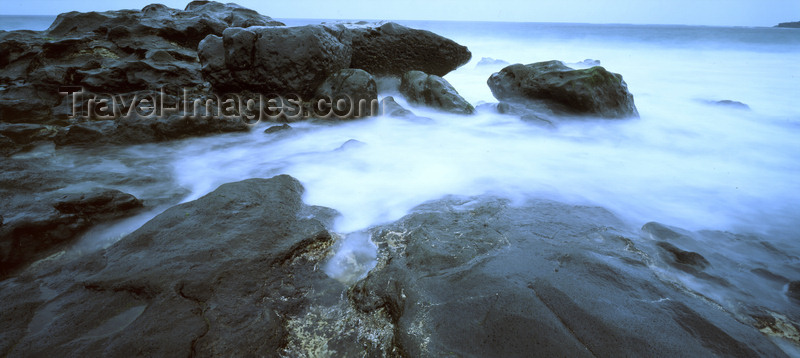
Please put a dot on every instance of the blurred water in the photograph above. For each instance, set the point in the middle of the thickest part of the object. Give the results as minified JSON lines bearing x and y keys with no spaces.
{"x":685,"y":162}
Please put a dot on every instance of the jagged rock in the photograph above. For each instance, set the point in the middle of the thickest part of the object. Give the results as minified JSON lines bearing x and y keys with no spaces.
{"x":118,"y":52}
{"x":358,"y":90}
{"x":393,"y":49}
{"x":593,"y":91}
{"x":480,"y":276}
{"x":219,"y":276}
{"x":82,"y":134}
{"x":25,"y":133}
{"x":284,"y":61}
{"x":434,"y":91}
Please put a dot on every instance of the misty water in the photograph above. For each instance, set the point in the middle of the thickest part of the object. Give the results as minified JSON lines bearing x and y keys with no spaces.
{"x":686,"y":162}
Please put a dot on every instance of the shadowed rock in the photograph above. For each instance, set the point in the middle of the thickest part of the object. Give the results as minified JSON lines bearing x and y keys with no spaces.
{"x":393,"y":49}
{"x":36,"y":235}
{"x":285,"y":61}
{"x":480,"y":277}
{"x":218,"y":276}
{"x":356,"y":88}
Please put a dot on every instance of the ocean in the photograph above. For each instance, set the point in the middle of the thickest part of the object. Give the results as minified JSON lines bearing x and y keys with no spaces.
{"x":686,"y":162}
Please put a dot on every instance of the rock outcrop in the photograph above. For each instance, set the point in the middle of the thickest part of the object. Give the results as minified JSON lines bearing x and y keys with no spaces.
{"x":393,"y":49}
{"x":99,"y":54}
{"x":433,"y":91}
{"x":591,"y":92}
{"x":219,"y":276}
{"x":482,"y":277}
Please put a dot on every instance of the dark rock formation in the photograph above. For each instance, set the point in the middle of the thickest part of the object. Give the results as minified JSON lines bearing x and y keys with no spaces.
{"x":528,"y":112}
{"x":480,"y":277}
{"x":593,"y":91}
{"x":117,"y":52}
{"x":285,"y":61}
{"x":393,"y":49}
{"x":224,"y":275}
{"x":790,"y":25}
{"x":356,"y":88}
{"x":434,"y":91}
{"x":35,"y":236}
{"x":107,"y":203}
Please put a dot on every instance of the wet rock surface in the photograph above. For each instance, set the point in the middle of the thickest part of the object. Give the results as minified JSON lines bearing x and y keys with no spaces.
{"x":237,"y":272}
{"x":591,"y":92}
{"x":481,"y":277}
{"x":36,"y":235}
{"x":434,"y":91}
{"x":219,"y":276}
{"x":393,"y":49}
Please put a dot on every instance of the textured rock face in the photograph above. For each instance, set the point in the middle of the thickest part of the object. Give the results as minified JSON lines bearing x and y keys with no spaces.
{"x":592,"y":92}
{"x":218,"y":276}
{"x":356,"y":88}
{"x":479,"y":277}
{"x":284,"y":61}
{"x":114,"y":52}
{"x":393,"y":49}
{"x":434,"y":91}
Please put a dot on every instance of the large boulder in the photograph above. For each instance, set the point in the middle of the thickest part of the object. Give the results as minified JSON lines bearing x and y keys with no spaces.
{"x":355,"y":89}
{"x":482,"y":277}
{"x":284,"y":61}
{"x":393,"y":49}
{"x":592,"y":91}
{"x":219,"y":276}
{"x":433,"y":91}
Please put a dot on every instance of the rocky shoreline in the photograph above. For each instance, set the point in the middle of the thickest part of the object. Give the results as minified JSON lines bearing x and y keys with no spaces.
{"x":238,"y":272}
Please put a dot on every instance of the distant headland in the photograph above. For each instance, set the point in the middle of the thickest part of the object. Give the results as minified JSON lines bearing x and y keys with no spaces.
{"x":794,"y":25}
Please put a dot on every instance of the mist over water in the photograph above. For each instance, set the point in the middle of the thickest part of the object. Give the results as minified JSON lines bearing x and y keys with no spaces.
{"x":686,"y":162}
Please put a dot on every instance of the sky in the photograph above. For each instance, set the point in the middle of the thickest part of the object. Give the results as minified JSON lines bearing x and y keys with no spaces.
{"x":687,"y":12}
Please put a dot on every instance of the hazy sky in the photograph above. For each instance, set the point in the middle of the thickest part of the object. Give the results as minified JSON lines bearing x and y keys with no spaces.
{"x":693,"y":12}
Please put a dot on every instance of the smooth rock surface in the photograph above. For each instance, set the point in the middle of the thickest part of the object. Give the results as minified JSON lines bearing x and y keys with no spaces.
{"x":480,"y":277}
{"x":36,"y":235}
{"x":434,"y":91}
{"x":591,"y":92}
{"x":218,"y":276}
{"x":393,"y":49}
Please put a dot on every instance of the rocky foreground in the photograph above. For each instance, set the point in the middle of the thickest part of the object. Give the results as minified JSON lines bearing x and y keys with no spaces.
{"x":238,"y":271}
